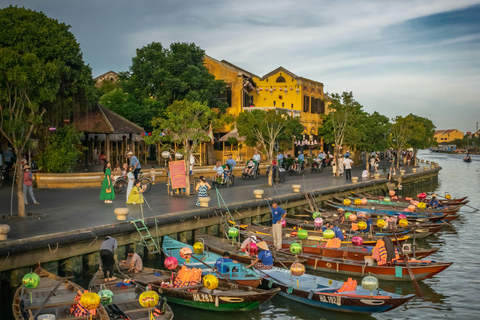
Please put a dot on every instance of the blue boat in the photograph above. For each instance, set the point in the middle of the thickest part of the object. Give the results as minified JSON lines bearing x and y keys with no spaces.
{"x":330,"y":294}
{"x":206,"y":261}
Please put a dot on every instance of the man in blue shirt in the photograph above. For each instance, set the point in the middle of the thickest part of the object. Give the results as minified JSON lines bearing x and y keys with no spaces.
{"x":220,"y":261}
{"x":301,"y":157}
{"x":135,"y":164}
{"x":434,"y":202}
{"x":231,"y":162}
{"x":277,"y":215}
{"x":280,"y":158}
{"x":338,"y":233}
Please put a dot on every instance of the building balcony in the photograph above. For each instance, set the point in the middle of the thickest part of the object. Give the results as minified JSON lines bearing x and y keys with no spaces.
{"x":293,"y":113}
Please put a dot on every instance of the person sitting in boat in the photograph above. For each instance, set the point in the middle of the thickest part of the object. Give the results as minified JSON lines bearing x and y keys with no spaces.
{"x":326,"y":226}
{"x":467,"y":157}
{"x":433,"y":203}
{"x":391,"y":222}
{"x":338,"y":232}
{"x":134,"y":261}
{"x":224,"y":259}
{"x":369,"y":222}
{"x":246,"y":246}
{"x":264,"y":260}
{"x":340,"y":216}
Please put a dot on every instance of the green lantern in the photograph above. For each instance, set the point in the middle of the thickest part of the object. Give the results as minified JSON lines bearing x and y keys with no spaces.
{"x":302,"y":234}
{"x":347,"y":215}
{"x":31,"y":280}
{"x":106,"y":297}
{"x":316,"y":215}
{"x":295,"y":248}
{"x":386,"y":199}
{"x":233,"y":232}
{"x":328,"y":234}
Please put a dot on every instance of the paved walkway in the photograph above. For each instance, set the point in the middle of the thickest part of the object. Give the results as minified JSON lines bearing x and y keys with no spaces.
{"x":73,"y":209}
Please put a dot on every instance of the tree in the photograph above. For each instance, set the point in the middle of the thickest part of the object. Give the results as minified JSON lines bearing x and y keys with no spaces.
{"x":186,"y":123}
{"x":374,"y":128}
{"x":341,"y":125}
{"x":267,"y":128}
{"x":424,"y":137}
{"x":28,"y":31}
{"x":26,"y":82}
{"x":403,"y":130}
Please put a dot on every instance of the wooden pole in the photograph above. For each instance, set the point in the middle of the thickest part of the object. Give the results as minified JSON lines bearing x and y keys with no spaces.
{"x":412,"y":277}
{"x":107,"y":146}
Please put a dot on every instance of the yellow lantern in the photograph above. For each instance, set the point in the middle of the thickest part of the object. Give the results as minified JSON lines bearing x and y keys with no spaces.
{"x":358,"y":202}
{"x":347,"y":202}
{"x":403,"y":223}
{"x":198,"y":248}
{"x":90,"y":300}
{"x":362,"y":225}
{"x":210,"y":281}
{"x":148,"y":299}
{"x":380,"y":223}
{"x":448,"y":196}
{"x":422,"y":205}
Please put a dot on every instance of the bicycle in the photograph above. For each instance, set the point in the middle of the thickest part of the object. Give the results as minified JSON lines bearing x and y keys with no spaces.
{"x":121,"y":183}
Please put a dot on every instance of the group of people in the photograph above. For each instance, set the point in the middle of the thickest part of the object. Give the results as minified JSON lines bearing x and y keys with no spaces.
{"x":133,"y":262}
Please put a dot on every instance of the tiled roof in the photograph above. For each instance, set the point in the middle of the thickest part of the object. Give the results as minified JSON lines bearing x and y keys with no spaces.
{"x":103,"y":120}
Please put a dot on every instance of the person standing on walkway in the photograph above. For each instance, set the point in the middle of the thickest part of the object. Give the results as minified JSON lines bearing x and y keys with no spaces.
{"x":202,"y":189}
{"x":334,"y":167}
{"x":8,"y":158}
{"x":231,"y":162}
{"x":257,"y":157}
{"x":28,"y":184}
{"x":392,"y":163}
{"x":131,"y":181}
{"x":135,"y":164}
{"x":277,"y":215}
{"x":107,"y":194}
{"x":348,"y":167}
{"x":107,"y":257}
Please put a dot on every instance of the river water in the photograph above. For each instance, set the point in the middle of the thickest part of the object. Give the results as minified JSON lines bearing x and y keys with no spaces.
{"x":454,"y":293}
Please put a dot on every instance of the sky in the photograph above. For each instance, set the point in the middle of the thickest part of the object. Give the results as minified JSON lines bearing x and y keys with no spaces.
{"x":397,"y":57}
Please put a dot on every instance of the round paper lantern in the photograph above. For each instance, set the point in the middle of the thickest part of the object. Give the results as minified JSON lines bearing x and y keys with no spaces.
{"x":353,"y":217}
{"x":361,"y":214}
{"x":328,"y":234}
{"x":402,"y":216}
{"x":347,"y":215}
{"x":185,"y":252}
{"x":370,"y":283}
{"x":253,"y":248}
{"x":178,"y":156}
{"x":198,"y":248}
{"x":357,"y":202}
{"x":411,"y":207}
{"x":165,"y":154}
{"x":422,"y":195}
{"x":106,"y":297}
{"x":364,"y":201}
{"x":347,"y":202}
{"x":148,"y":299}
{"x":31,"y":280}
{"x":302,"y":234}
{"x":283,"y":222}
{"x":316,"y":215}
{"x":422,"y":205}
{"x":357,"y":241}
{"x":362,"y":225}
{"x":380,"y":223}
{"x":233,"y":232}
{"x":386,"y":199}
{"x":403,"y":223}
{"x":414,"y":203}
{"x":391,"y":193}
{"x":408,"y":198}
{"x":90,"y":300}
{"x":210,"y":281}
{"x":297,"y":269}
{"x":448,"y":196}
{"x":295,"y":248}
{"x":318,"y":222}
{"x":171,"y":263}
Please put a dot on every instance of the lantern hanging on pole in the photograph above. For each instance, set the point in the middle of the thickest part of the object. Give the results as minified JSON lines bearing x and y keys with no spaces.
{"x":302,"y":234}
{"x":357,"y":241}
{"x":31,"y":281}
{"x":198,"y":248}
{"x":210,"y":282}
{"x":171,"y":263}
{"x":380,"y":223}
{"x":295,"y":248}
{"x":297,"y":269}
{"x":106,"y":296}
{"x":283,"y":222}
{"x":362,"y":225}
{"x":347,"y":202}
{"x":90,"y":301}
{"x":328,"y":234}
{"x":370,"y":283}
{"x":352,"y":217}
{"x":185,"y":252}
{"x":316,"y":215}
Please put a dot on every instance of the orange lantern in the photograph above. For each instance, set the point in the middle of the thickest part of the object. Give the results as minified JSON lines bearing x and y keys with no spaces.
{"x":358,"y":202}
{"x":352,"y":217}
{"x":411,"y":207}
{"x":185,"y":252}
{"x":297,"y":269}
{"x":391,"y":193}
{"x":364,"y":201}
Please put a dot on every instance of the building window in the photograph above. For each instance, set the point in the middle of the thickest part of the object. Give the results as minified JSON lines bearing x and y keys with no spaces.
{"x":322,"y":107}
{"x":280,"y":79}
{"x":247,"y":100}
{"x":313,"y":103}
{"x":226,"y":96}
{"x":306,"y":103}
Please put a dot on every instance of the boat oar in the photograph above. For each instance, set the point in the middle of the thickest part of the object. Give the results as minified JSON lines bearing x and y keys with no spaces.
{"x":279,"y":281}
{"x":229,"y":280}
{"x":412,"y":277}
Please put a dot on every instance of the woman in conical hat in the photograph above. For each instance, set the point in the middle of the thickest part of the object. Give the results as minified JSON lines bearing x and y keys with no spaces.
{"x":264,"y":260}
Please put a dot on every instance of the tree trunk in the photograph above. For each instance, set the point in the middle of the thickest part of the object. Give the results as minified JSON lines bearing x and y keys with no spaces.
{"x":415,"y":157}
{"x":187,"y":173}
{"x":399,"y":154}
{"x":337,"y":159}
{"x":270,"y":173}
{"x":20,"y":195}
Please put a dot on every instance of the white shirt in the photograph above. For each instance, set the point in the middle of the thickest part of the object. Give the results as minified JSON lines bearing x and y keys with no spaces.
{"x":256,"y":157}
{"x":192,"y":162}
{"x":347,"y":163}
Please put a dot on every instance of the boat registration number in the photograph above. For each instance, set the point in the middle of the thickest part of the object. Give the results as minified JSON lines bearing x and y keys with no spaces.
{"x":330,"y":299}
{"x":202,"y":297}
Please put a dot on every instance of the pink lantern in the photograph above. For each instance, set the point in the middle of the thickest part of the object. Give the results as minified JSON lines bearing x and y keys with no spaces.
{"x":253,"y":248}
{"x":402,"y":216}
{"x":406,"y":210}
{"x":415,"y":203}
{"x":411,"y":207}
{"x":422,"y":195}
{"x":352,"y":217}
{"x":408,"y":198}
{"x":364,"y":201}
{"x":357,"y":241}
{"x":284,"y":223}
{"x":318,"y":222}
{"x":171,"y":263}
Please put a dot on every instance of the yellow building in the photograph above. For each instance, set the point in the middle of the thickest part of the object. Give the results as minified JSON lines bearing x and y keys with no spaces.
{"x":445,"y":136}
{"x":278,"y":90}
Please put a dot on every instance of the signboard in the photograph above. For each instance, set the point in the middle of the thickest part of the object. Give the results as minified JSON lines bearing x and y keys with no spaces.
{"x":177,"y":174}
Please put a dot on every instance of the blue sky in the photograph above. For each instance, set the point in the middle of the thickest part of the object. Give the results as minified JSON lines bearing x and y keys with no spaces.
{"x":398,"y":57}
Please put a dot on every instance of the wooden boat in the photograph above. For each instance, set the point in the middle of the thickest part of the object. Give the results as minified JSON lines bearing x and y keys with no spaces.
{"x":467,"y":159}
{"x":126,"y":298}
{"x":454,"y":201}
{"x":401,"y":204}
{"x":219,"y":246}
{"x":226,"y":297}
{"x":323,"y":293}
{"x":54,"y":295}
{"x":206,"y":261}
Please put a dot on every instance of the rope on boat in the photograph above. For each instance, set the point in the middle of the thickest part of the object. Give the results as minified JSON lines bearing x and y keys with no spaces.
{"x":49,"y":248}
{"x":8,"y":255}
{"x":93,"y":241}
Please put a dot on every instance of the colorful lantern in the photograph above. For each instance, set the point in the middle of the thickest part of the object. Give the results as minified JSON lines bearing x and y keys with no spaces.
{"x":185,"y":252}
{"x":386,"y":199}
{"x":408,"y":198}
{"x":402,"y":216}
{"x":403,"y":223}
{"x":347,"y":215}
{"x":318,"y":222}
{"x":391,"y":193}
{"x":31,"y":280}
{"x":357,"y":202}
{"x":357,"y":241}
{"x":316,"y":215}
{"x":148,"y":299}
{"x":90,"y":300}
{"x":297,"y":269}
{"x":328,"y":234}
{"x":106,"y":297}
{"x":414,"y":203}
{"x":302,"y":234}
{"x":448,"y":196}
{"x":283,"y":222}
{"x":422,"y":195}
{"x":364,"y":201}
{"x":380,"y":223}
{"x":295,"y":248}
{"x":422,"y":205}
{"x":352,"y":217}
{"x":253,"y":248}
{"x":411,"y":207}
{"x":210,"y":282}
{"x":347,"y":202}
{"x":370,"y":283}
{"x":361,"y":214}
{"x":198,"y":248}
{"x":362,"y":225}
{"x":233,"y":232}
{"x":171,"y":263}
